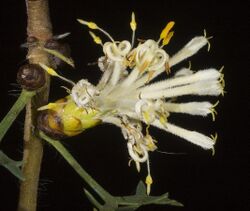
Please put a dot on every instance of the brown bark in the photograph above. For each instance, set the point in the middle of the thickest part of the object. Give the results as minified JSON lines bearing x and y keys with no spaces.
{"x":38,"y":26}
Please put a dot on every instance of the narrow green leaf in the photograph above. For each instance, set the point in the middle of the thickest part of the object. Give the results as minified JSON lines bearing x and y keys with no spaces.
{"x":128,"y":208}
{"x":92,"y":199}
{"x":57,"y":54}
{"x":12,"y":165}
{"x":141,"y":189}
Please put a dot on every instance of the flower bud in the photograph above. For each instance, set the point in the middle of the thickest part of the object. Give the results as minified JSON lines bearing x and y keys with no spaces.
{"x":50,"y":123}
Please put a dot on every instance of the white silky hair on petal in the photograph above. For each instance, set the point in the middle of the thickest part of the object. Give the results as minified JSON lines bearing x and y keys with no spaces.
{"x":191,"y":48}
{"x":191,"y":136}
{"x":116,"y":73}
{"x":202,"y":75}
{"x":131,"y":77}
{"x":202,"y":83}
{"x":212,"y":88}
{"x":116,"y":100}
{"x":104,"y":79}
{"x":145,"y":78}
{"x":192,"y":108}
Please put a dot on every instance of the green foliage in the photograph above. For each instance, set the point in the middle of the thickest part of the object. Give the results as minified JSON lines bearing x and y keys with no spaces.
{"x":109,"y":202}
{"x":133,"y":202}
{"x":12,"y":165}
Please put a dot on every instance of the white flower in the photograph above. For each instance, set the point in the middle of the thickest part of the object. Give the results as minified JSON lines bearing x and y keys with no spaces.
{"x":126,"y":97}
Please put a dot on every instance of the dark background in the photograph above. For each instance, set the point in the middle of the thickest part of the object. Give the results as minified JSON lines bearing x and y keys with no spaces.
{"x":198,"y":180}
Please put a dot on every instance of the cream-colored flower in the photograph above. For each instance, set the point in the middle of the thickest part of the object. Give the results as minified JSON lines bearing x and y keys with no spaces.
{"x":126,"y":97}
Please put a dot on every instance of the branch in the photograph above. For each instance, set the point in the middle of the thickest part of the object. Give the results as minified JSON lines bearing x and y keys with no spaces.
{"x":39,"y":27}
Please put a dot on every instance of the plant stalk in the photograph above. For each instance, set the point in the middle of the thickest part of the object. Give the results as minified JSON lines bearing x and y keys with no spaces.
{"x":39,"y":26}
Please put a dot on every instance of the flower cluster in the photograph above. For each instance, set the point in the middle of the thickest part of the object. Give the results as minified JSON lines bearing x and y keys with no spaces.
{"x":126,"y":97}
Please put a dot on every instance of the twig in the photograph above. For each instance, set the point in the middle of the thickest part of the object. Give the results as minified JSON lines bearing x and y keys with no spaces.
{"x":39,"y":26}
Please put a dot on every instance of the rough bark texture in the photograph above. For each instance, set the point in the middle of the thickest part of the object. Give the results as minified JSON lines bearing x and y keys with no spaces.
{"x":39,"y":26}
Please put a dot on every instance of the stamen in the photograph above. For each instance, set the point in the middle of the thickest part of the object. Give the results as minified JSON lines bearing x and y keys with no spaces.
{"x":213,"y":151}
{"x":149,"y":180}
{"x":67,"y":89}
{"x":138,"y":166}
{"x":96,"y":39}
{"x":214,"y":138}
{"x":208,"y":38}
{"x":166,"y":31}
{"x":107,"y":34}
{"x":191,"y":136}
{"x":188,"y":50}
{"x":150,"y":142}
{"x":146,"y":116}
{"x":131,"y":59}
{"x":167,"y":39}
{"x":57,"y":54}
{"x":52,"y":72}
{"x":168,"y":70}
{"x":150,"y":75}
{"x":133,"y":27}
{"x":93,"y":25}
{"x":163,"y":120}
{"x":144,"y":66}
{"x":222,"y":81}
{"x":221,"y":69}
{"x":213,"y":111}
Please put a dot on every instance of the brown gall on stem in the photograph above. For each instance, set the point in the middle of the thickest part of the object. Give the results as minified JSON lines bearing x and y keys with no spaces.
{"x":31,"y":77}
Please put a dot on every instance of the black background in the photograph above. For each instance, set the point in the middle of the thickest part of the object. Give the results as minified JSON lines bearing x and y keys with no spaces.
{"x":198,"y":180}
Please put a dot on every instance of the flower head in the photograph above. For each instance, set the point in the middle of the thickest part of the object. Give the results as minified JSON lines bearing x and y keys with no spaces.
{"x":126,"y":97}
